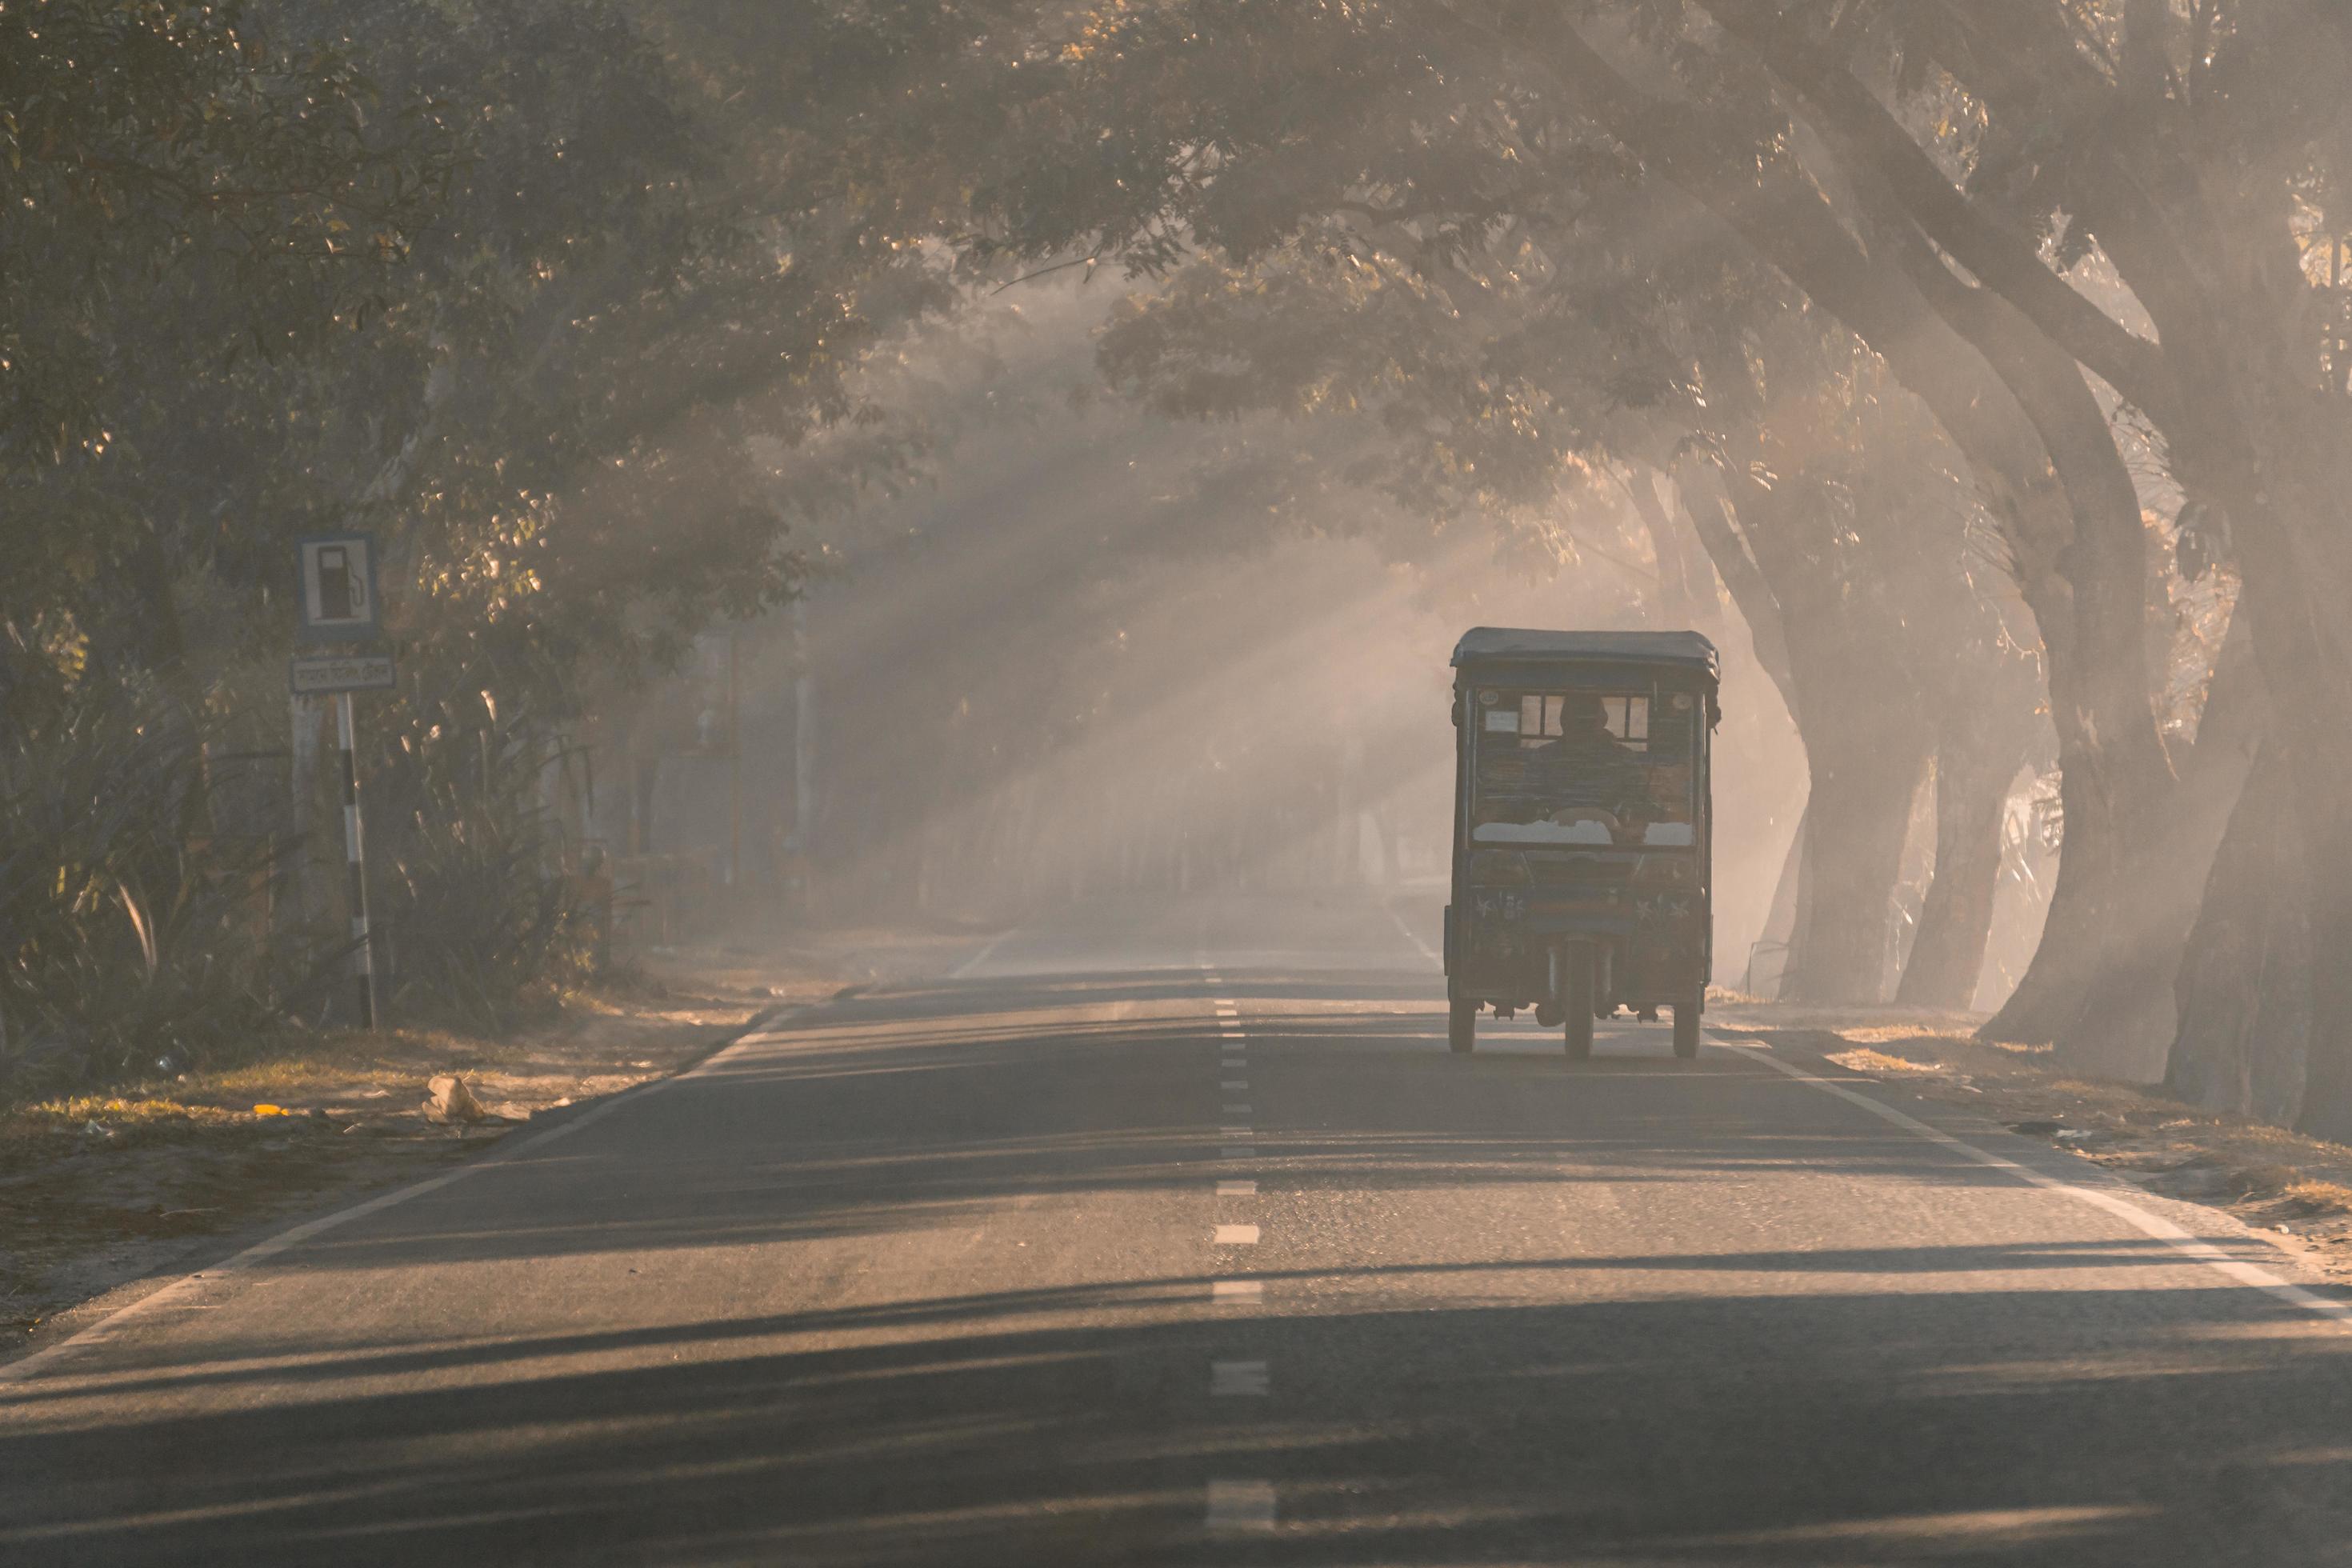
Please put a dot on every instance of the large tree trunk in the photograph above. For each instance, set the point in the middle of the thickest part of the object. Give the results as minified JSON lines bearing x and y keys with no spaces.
{"x":2244,"y":990}
{"x":2307,"y":672}
{"x":2259,"y":433}
{"x":2193,"y":202}
{"x":2129,"y":1020}
{"x":1864,"y":777}
{"x":2035,"y":440}
{"x":1866,"y":742}
{"x":2115,"y":782}
{"x":1955,"y":920}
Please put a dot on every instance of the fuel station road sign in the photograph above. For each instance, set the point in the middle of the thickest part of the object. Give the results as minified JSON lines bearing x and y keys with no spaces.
{"x":336,"y":587}
{"x":334,"y":594}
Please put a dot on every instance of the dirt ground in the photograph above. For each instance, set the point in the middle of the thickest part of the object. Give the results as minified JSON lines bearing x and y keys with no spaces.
{"x":98,"y":1189}
{"x":2298,"y":1190}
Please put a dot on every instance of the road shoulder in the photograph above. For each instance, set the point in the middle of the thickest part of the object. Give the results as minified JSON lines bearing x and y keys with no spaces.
{"x":2295,"y":1191}
{"x":107,"y":1198}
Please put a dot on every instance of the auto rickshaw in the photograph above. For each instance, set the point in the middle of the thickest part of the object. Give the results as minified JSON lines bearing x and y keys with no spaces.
{"x":1582,"y":825}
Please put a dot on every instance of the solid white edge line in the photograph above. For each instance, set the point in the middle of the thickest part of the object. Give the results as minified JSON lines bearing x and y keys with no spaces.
{"x":106,"y":1328}
{"x":2154,"y":1224}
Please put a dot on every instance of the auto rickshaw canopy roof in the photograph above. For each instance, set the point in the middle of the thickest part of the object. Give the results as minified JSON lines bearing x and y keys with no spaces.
{"x":1480,"y":644}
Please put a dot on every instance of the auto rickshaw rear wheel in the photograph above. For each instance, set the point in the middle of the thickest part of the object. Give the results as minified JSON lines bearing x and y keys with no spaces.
{"x":1576,"y":995}
{"x":1686,"y":1027}
{"x":1461,"y":1026}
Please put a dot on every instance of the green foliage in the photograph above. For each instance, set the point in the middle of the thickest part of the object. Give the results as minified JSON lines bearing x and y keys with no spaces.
{"x":177,"y":180}
{"x":531,"y":290}
{"x":477,"y":916}
{"x":128,"y":925}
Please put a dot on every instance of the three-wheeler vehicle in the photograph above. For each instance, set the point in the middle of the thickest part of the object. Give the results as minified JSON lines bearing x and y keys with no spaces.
{"x":1581,"y":830}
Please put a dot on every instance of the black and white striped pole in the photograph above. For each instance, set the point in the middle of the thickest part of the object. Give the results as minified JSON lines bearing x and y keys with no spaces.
{"x":356,"y":864}
{"x":335,"y":598}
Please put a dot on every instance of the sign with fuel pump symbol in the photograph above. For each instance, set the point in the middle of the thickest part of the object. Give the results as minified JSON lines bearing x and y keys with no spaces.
{"x":337,"y":588}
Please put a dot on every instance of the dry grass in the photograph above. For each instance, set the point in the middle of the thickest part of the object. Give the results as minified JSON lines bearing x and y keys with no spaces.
{"x":2295,"y":1188}
{"x":95,"y":1188}
{"x":76,"y":1111}
{"x":2314,"y":1197}
{"x":98,"y":1188}
{"x":1862,"y":1058}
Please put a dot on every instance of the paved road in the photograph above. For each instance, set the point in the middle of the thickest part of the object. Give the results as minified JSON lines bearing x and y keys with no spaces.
{"x":1180,"y":1237}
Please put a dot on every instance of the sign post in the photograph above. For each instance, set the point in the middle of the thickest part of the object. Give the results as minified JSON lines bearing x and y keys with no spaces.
{"x":355,"y":866}
{"x":335,"y":594}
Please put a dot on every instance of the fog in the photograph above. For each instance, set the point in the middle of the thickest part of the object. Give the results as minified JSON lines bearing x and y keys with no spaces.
{"x":832,"y":464}
{"x":1083,"y":660}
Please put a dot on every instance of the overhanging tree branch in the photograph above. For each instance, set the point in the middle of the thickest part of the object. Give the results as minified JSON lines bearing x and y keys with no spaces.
{"x":2134,"y":366}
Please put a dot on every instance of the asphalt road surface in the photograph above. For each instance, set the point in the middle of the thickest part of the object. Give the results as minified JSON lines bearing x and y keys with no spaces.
{"x":1175,"y":1234}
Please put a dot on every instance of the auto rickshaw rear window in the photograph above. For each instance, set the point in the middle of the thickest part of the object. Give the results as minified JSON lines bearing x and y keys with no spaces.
{"x":1592,"y":764}
{"x":1544,"y":716}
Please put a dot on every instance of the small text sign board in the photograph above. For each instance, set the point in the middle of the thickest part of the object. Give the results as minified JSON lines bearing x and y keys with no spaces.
{"x":336,"y":590}
{"x":318,"y":674}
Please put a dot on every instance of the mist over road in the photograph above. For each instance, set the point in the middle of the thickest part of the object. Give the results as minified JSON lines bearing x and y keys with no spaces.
{"x":1174,"y":1233}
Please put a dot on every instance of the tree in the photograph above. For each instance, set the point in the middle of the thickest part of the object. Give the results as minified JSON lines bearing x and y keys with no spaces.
{"x":1437,"y":138}
{"x":2200,"y":150}
{"x":1138,"y":133}
{"x":530,"y":300}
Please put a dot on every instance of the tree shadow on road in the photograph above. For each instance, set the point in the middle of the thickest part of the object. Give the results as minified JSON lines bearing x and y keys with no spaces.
{"x":1976,"y":1397}
{"x":1766,"y":1428}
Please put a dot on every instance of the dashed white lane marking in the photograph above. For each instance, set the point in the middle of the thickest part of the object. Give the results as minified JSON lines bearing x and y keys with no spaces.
{"x":1414,"y":937}
{"x":971,"y":966}
{"x":1238,"y":1506}
{"x":1236,"y":1292}
{"x":2145,"y":1220}
{"x":1232,"y":1083}
{"x":1235,"y":1109}
{"x":1236,"y":1151}
{"x":1242,"y":1378}
{"x":1236,"y":1189}
{"x":1237,"y":1236}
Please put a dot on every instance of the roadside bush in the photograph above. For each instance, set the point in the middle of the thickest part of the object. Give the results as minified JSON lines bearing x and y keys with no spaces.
{"x":480,"y":921}
{"x":132,"y":938}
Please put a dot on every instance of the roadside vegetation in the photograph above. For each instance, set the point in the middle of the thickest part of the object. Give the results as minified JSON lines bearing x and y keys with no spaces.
{"x":1982,"y":364}
{"x":2294,"y":1188}
{"x":1988,"y":359}
{"x":510,"y":286}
